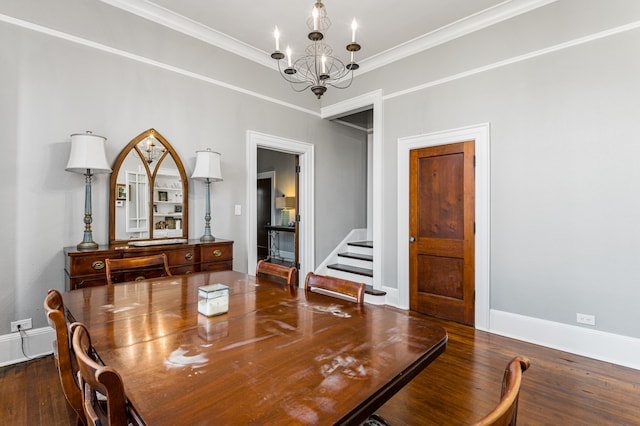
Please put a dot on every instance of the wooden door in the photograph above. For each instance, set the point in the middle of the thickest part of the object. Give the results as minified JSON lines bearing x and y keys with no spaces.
{"x":441,"y":226}
{"x":263,"y":203}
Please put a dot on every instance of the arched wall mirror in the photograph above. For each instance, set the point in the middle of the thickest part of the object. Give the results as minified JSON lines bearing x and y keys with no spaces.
{"x":149,"y":196}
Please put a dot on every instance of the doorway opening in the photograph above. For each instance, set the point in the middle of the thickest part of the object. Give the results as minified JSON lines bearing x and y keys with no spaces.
{"x":276,"y":203}
{"x":305,"y":196}
{"x":352,"y":107}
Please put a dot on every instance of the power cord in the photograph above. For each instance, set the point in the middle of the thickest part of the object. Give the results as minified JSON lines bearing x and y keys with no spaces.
{"x":22,"y":336}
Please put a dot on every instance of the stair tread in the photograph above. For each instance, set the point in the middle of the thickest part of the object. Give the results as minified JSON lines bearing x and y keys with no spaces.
{"x":352,"y":269}
{"x":373,"y":291}
{"x":368,"y":244}
{"x":358,"y":256}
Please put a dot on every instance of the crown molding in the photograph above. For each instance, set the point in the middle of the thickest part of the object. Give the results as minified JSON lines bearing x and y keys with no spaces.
{"x":493,"y":15}
{"x":483,"y":19}
{"x":184,"y":25}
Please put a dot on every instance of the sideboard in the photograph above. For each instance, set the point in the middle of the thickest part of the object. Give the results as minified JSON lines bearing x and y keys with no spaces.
{"x":86,"y":268}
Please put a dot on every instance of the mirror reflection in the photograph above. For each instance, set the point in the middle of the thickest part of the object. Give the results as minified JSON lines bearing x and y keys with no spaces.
{"x":148,"y":190}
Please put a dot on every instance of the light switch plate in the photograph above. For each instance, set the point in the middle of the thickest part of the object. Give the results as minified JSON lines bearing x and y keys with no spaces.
{"x":238,"y":210}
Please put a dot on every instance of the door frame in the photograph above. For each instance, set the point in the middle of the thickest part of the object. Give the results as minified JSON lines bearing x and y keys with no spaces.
{"x":481,"y":135}
{"x":306,"y":197}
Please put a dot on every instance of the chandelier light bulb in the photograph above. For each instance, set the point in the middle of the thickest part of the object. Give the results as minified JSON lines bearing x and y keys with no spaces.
{"x":276,"y":35}
{"x":289,"y":56}
{"x":354,"y":26}
{"x":315,"y":18}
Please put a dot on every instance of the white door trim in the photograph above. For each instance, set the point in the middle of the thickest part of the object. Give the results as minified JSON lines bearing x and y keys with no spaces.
{"x":481,"y":135}
{"x":350,"y":106}
{"x":305,"y":151}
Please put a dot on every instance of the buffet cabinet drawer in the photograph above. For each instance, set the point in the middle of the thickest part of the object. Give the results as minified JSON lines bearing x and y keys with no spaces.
{"x":84,"y":282}
{"x":90,"y":264}
{"x":216,"y":253}
{"x":182,"y":270}
{"x":217,"y":266}
{"x":185,"y":256}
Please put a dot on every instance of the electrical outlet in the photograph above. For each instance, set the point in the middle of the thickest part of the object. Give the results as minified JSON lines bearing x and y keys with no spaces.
{"x":586,"y":319}
{"x":24,"y":324}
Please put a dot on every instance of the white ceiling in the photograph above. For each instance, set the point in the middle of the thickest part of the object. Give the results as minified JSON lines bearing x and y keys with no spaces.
{"x":387,"y":30}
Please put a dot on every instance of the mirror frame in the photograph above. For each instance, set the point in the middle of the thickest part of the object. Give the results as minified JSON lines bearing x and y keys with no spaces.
{"x":152,"y":176}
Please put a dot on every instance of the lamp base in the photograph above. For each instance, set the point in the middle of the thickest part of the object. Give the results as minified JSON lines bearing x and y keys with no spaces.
{"x":87,"y":245}
{"x":87,"y":242}
{"x":207,"y":238}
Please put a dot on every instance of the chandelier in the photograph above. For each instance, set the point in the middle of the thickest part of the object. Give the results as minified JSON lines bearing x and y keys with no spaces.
{"x":318,"y":68}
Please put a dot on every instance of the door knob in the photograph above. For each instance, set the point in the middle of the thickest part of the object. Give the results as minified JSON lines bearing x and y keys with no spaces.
{"x":412,"y":239}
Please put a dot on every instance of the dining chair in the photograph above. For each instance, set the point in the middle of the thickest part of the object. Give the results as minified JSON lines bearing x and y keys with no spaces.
{"x":288,"y":274}
{"x":506,"y":412}
{"x":63,"y":353}
{"x":104,"y":400}
{"x":145,"y":264}
{"x":335,"y":286}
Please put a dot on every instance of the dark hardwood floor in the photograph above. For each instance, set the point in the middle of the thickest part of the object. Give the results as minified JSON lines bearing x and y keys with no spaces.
{"x":459,"y":387}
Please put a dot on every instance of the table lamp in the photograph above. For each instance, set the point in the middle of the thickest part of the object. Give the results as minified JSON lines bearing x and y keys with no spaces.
{"x":285,"y":204}
{"x":208,"y":170}
{"x":87,"y":156}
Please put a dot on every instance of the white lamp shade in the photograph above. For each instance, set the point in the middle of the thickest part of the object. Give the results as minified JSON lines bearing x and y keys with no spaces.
{"x":207,"y":166}
{"x":87,"y":152}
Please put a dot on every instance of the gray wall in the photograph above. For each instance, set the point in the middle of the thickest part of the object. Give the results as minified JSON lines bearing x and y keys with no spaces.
{"x":52,"y":87}
{"x":565,"y":170}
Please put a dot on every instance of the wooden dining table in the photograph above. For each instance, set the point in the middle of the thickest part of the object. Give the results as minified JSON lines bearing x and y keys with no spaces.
{"x":278,"y":356}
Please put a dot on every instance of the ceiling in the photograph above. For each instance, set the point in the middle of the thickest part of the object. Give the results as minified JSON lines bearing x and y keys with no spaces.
{"x":387,"y":30}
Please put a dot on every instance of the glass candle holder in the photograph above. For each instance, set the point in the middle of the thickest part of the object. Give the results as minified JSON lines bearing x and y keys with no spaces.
{"x":213,"y":299}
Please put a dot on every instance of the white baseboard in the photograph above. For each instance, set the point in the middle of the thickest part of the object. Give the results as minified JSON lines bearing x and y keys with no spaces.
{"x":609,"y":347}
{"x":392,"y":298}
{"x":37,"y":342}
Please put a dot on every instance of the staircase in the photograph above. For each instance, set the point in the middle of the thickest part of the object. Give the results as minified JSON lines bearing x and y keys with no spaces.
{"x":353,"y":260}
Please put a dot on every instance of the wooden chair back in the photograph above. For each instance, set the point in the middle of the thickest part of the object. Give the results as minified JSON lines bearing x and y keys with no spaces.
{"x":95,"y":380}
{"x":63,"y":353}
{"x":335,"y":285}
{"x":506,"y":412}
{"x":288,"y":274}
{"x":159,"y":261}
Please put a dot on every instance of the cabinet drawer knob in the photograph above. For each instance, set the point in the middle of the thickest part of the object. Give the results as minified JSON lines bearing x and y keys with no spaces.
{"x":98,"y":265}
{"x":189,"y":272}
{"x":188,"y":256}
{"x":217,"y":253}
{"x":140,"y":278}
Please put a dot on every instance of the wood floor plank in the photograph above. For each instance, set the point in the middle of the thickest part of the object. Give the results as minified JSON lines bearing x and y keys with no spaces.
{"x":560,"y":388}
{"x":459,"y":387}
